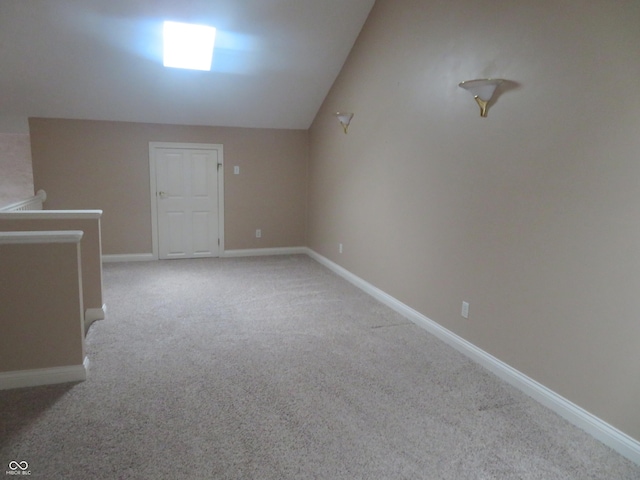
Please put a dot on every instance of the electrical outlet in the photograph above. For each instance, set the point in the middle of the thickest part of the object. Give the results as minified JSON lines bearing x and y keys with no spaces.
{"x":339,"y":248}
{"x":236,"y":170}
{"x":465,"y":310}
{"x":258,"y":233}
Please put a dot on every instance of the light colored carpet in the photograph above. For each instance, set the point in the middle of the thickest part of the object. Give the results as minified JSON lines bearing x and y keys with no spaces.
{"x":275,"y":368}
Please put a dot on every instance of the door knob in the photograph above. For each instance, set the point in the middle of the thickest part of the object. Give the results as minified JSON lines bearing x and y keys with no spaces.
{"x":163,"y":194}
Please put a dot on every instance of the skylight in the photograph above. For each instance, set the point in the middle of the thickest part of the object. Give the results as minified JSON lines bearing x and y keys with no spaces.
{"x":188,"y":45}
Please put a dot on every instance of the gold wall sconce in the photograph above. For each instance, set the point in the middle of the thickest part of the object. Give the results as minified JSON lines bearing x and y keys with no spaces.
{"x":345,"y":119}
{"x":482,"y":90}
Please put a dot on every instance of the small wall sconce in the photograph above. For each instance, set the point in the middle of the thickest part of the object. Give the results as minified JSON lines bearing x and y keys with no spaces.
{"x":482,"y":90}
{"x":345,"y":119}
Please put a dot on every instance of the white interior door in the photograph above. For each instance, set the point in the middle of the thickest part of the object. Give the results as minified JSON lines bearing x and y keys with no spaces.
{"x":187,"y":201}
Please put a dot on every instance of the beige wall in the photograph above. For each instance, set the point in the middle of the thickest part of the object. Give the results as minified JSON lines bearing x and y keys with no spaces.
{"x":16,"y":176}
{"x":42,"y":326}
{"x":105,"y":165}
{"x":91,"y":253}
{"x":530,"y":215}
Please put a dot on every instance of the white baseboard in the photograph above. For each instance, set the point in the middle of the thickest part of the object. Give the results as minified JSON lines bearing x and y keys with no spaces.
{"x":129,"y":257}
{"x":93,"y":314}
{"x":256,"y":252}
{"x":601,"y":430}
{"x":44,"y":376}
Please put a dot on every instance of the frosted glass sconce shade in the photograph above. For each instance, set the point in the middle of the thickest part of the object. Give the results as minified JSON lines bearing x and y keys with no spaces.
{"x":482,"y":90}
{"x":345,"y":119}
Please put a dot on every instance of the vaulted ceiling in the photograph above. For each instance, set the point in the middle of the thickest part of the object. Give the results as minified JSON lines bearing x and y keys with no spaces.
{"x":274,"y":61}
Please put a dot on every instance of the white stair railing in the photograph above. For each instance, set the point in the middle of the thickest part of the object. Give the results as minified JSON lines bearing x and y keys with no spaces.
{"x":33,"y":203}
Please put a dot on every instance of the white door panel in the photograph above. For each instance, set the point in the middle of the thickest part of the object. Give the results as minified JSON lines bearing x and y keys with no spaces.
{"x":187,"y":202}
{"x":202,"y":232}
{"x":173,"y":235}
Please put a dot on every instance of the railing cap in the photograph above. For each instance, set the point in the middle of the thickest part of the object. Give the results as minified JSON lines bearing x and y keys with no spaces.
{"x":51,"y":214}
{"x":56,"y":236}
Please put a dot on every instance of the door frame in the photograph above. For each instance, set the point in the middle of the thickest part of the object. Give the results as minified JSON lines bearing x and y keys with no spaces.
{"x":153,"y":147}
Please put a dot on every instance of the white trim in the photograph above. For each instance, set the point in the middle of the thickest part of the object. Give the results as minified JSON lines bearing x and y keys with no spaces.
{"x":93,"y":314}
{"x":257,"y":252}
{"x":152,"y":188}
{"x":36,"y":201}
{"x":221,"y":202}
{"x":153,"y":200}
{"x":128,"y":257}
{"x":51,"y":215}
{"x":56,"y":236}
{"x":601,"y":430}
{"x":44,"y":376}
{"x":246,"y":252}
{"x":192,"y":146}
